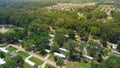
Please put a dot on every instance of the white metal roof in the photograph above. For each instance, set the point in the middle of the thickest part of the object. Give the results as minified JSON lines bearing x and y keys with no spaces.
{"x":29,"y":62}
{"x":115,"y":52}
{"x":63,"y":49}
{"x":66,"y":35}
{"x":89,"y":57}
{"x":114,"y":47}
{"x":2,"y":61}
{"x":48,"y":51}
{"x":51,"y":35}
{"x":4,"y":50}
{"x":59,"y":55}
{"x":39,"y":66}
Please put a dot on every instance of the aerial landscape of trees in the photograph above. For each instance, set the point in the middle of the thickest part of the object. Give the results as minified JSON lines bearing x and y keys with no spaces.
{"x":32,"y":22}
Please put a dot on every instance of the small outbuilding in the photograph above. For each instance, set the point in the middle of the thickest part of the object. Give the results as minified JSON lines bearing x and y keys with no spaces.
{"x":51,"y":35}
{"x":88,"y":57}
{"x":64,"y":50}
{"x":48,"y":51}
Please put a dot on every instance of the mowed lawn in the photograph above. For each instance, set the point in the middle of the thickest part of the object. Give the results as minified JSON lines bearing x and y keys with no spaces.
{"x":23,"y":54}
{"x":51,"y":57}
{"x":26,"y":65}
{"x":49,"y":66}
{"x":11,"y":49}
{"x":36,"y":61}
{"x":77,"y":65}
{"x":7,"y":58}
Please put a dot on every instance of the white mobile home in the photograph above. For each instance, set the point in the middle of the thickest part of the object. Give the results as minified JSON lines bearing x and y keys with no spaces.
{"x":59,"y":55}
{"x":30,"y":62}
{"x":4,"y":50}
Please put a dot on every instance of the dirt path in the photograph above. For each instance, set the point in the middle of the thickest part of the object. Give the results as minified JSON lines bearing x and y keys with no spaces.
{"x":77,"y":37}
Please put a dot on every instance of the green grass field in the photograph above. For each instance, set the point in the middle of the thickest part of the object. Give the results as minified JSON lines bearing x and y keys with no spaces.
{"x":77,"y":65}
{"x":51,"y":57}
{"x":26,"y":65}
{"x":10,"y":30}
{"x":7,"y":58}
{"x":23,"y":54}
{"x":49,"y":66}
{"x":36,"y":61}
{"x":11,"y":49}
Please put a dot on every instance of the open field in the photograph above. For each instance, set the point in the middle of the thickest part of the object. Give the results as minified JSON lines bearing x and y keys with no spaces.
{"x":26,"y":65}
{"x":77,"y":65}
{"x":49,"y":66}
{"x":7,"y":58}
{"x":11,"y":49}
{"x":23,"y":54}
{"x":36,"y":61}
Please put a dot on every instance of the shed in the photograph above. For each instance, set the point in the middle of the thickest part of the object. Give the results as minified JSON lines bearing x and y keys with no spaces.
{"x":63,"y":49}
{"x":51,"y":35}
{"x":48,"y":51}
{"x":88,"y":57}
{"x":66,"y":36}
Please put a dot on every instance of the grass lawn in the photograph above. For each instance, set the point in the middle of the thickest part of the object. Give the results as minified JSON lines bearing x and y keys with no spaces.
{"x":4,"y":45}
{"x":36,"y":61}
{"x":77,"y":65}
{"x":10,"y":30}
{"x":23,"y":54}
{"x":26,"y":65}
{"x":64,"y":53}
{"x":51,"y":57}
{"x":49,"y":66}
{"x":11,"y":49}
{"x":7,"y":58}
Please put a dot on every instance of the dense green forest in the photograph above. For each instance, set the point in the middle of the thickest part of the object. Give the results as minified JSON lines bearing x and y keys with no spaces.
{"x":32,"y":22}
{"x":32,"y":14}
{"x":67,"y":1}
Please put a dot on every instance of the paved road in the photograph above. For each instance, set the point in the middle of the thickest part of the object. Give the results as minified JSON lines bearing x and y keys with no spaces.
{"x":35,"y":55}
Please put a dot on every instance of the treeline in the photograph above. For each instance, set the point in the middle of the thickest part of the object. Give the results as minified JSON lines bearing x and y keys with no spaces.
{"x":90,"y":23}
{"x":59,"y":1}
{"x":32,"y":28}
